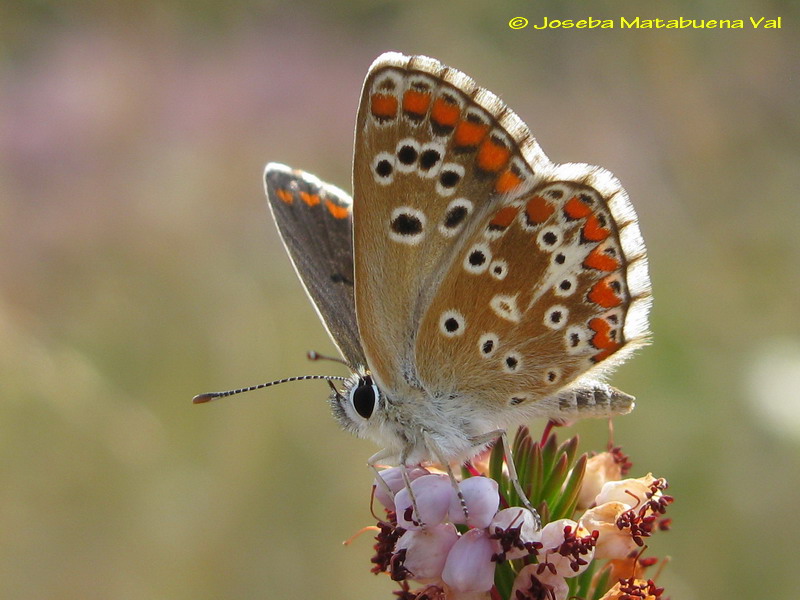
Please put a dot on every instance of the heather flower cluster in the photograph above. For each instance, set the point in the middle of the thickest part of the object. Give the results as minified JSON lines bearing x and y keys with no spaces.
{"x":480,"y":544}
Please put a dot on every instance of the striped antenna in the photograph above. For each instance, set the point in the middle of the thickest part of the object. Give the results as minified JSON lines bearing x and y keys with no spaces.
{"x":203,"y":398}
{"x":312,"y":355}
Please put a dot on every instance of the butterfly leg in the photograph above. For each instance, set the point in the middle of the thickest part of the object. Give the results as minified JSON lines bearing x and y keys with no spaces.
{"x":372,"y":462}
{"x":383,"y":454}
{"x":457,"y":489}
{"x":407,"y":482}
{"x":453,"y":481}
{"x":512,"y":470}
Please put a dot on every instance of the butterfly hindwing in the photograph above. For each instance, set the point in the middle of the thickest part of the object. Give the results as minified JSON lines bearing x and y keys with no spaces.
{"x":315,"y":223}
{"x":551,"y":286}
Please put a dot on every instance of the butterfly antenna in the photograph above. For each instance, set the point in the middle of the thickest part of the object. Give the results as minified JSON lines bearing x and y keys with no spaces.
{"x":202,"y":398}
{"x":312,"y":355}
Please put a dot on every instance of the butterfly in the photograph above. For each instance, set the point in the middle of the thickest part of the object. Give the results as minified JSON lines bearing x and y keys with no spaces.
{"x":470,"y":284}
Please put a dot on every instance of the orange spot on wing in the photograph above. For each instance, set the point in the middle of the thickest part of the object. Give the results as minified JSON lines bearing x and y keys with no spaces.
{"x":445,"y":114}
{"x":603,"y":294}
{"x":577,"y":208}
{"x":492,"y":156}
{"x":469,"y":133}
{"x":538,"y":210}
{"x":504,"y":217}
{"x":507,"y":181}
{"x":310,"y":199}
{"x":285,"y":195}
{"x":384,"y":106}
{"x":337,"y":212}
{"x":601,"y":261}
{"x":602,"y":329}
{"x":416,"y":102}
{"x":593,"y":231}
{"x":607,"y":352}
{"x":602,"y":339}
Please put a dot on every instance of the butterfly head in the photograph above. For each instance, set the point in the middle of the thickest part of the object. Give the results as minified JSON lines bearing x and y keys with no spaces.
{"x":412,"y":427}
{"x":357,"y":404}
{"x":363,"y":409}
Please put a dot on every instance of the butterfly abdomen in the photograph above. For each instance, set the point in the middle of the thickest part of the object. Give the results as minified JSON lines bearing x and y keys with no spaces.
{"x":593,"y":400}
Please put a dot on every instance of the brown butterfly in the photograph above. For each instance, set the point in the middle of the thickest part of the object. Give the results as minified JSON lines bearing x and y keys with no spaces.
{"x":470,"y":284}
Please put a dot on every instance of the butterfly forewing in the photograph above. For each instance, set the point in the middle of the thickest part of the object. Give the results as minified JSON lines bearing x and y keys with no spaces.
{"x":315,"y":223}
{"x":435,"y":155}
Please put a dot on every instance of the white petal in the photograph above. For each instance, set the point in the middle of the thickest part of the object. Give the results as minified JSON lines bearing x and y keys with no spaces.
{"x":517,"y":516}
{"x":628,"y":491}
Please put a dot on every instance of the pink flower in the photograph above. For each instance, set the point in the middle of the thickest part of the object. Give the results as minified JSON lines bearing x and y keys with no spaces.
{"x":450,"y":537}
{"x":482,"y":500}
{"x":469,"y":566}
{"x":531,"y":585}
{"x":633,"y":589}
{"x":567,"y":549}
{"x":423,"y":552}
{"x":432,"y":493}
{"x":394,"y":480}
{"x":630,"y":512}
{"x":515,"y":532}
{"x":613,"y":542}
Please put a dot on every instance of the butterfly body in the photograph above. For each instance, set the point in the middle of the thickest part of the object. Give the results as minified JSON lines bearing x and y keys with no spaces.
{"x":470,"y":283}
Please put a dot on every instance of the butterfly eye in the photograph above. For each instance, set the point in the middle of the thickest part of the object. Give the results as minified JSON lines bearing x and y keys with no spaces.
{"x":364,"y":396}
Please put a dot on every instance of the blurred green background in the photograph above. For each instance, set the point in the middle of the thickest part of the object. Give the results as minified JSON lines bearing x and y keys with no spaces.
{"x":139,"y":267}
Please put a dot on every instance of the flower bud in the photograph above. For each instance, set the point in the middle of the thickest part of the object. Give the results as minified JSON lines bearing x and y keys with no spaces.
{"x":600,"y":468}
